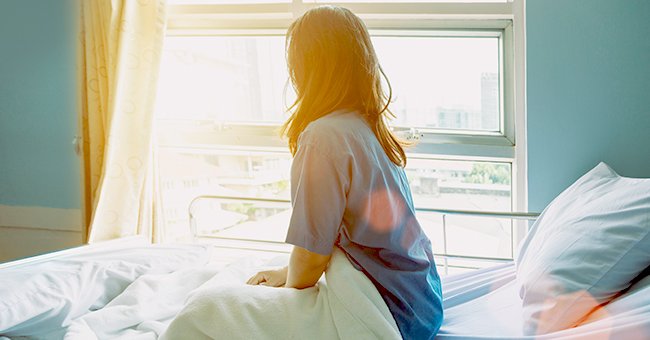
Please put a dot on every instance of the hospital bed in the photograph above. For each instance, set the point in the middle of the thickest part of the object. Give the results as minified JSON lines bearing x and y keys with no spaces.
{"x":134,"y":289}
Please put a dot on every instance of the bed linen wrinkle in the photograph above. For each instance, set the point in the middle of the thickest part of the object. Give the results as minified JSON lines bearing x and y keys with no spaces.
{"x":42,"y":298}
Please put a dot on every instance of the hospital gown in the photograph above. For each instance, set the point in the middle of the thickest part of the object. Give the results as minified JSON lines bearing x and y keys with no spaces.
{"x":347,"y":193}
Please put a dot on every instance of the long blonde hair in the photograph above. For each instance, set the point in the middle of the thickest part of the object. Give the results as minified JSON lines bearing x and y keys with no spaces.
{"x":333,"y":65}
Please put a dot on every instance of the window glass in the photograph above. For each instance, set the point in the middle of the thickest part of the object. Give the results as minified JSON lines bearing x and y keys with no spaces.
{"x":224,"y":79}
{"x":185,"y":175}
{"x":442,"y":82}
{"x":438,"y":82}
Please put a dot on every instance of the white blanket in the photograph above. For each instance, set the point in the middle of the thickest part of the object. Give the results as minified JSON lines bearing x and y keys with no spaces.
{"x":346,"y":305}
{"x":143,"y":310}
{"x":41,"y":298}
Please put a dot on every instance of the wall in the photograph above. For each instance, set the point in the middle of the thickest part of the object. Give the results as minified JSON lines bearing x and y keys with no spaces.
{"x":588,"y":89}
{"x":39,"y":171}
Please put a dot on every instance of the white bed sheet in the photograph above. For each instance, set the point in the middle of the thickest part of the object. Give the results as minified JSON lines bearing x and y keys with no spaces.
{"x":40,"y":297}
{"x":478,"y":305}
{"x":485,"y":305}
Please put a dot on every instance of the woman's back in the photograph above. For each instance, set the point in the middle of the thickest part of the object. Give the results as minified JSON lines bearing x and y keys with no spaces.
{"x":347,"y":192}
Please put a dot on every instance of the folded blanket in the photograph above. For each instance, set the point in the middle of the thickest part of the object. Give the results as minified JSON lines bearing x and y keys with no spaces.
{"x":346,"y":305}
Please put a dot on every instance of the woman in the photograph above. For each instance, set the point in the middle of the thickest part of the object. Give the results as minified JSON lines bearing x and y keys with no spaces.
{"x":348,"y":185}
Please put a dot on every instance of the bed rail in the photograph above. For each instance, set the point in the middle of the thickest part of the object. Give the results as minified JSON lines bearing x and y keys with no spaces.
{"x":249,"y":244}
{"x":135,"y":240}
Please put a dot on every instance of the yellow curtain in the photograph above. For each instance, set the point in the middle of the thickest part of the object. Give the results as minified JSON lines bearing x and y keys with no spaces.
{"x":121,"y":43}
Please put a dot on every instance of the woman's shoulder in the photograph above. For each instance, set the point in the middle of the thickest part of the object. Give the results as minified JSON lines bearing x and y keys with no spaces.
{"x":334,"y":127}
{"x":334,"y":133}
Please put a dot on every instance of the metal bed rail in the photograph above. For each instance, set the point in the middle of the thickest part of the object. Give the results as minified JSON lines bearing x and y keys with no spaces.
{"x":249,"y":244}
{"x":135,"y":240}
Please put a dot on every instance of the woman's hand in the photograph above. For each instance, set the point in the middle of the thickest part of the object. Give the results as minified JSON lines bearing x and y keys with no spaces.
{"x":271,"y":278}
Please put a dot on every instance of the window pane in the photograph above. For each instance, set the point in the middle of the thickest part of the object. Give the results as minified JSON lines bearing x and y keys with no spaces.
{"x":258,"y":221}
{"x":226,"y":79}
{"x":185,"y":175}
{"x":463,"y":185}
{"x":440,"y":82}
{"x":469,"y":235}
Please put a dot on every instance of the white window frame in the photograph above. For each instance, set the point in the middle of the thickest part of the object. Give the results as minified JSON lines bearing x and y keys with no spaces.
{"x":503,"y":19}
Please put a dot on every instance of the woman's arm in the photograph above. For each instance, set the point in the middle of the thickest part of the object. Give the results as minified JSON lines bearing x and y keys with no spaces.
{"x":305,"y":268}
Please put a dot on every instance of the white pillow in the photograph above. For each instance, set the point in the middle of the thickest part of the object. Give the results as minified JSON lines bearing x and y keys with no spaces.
{"x":586,"y":246}
{"x":634,"y":302}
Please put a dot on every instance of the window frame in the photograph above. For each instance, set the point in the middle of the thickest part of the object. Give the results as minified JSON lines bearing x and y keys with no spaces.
{"x":429,"y":19}
{"x":503,"y":19}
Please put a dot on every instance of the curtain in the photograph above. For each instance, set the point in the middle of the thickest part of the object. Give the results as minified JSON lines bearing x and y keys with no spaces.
{"x":120,"y":48}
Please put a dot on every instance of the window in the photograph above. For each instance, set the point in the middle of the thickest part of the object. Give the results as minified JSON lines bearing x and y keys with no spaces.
{"x":456,"y":71}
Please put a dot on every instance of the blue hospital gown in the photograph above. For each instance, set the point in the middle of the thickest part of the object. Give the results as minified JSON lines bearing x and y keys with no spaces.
{"x":346,"y":192}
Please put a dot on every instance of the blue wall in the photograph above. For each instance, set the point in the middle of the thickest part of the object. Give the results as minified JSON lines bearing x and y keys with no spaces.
{"x":588,"y":69}
{"x":38,"y":108}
